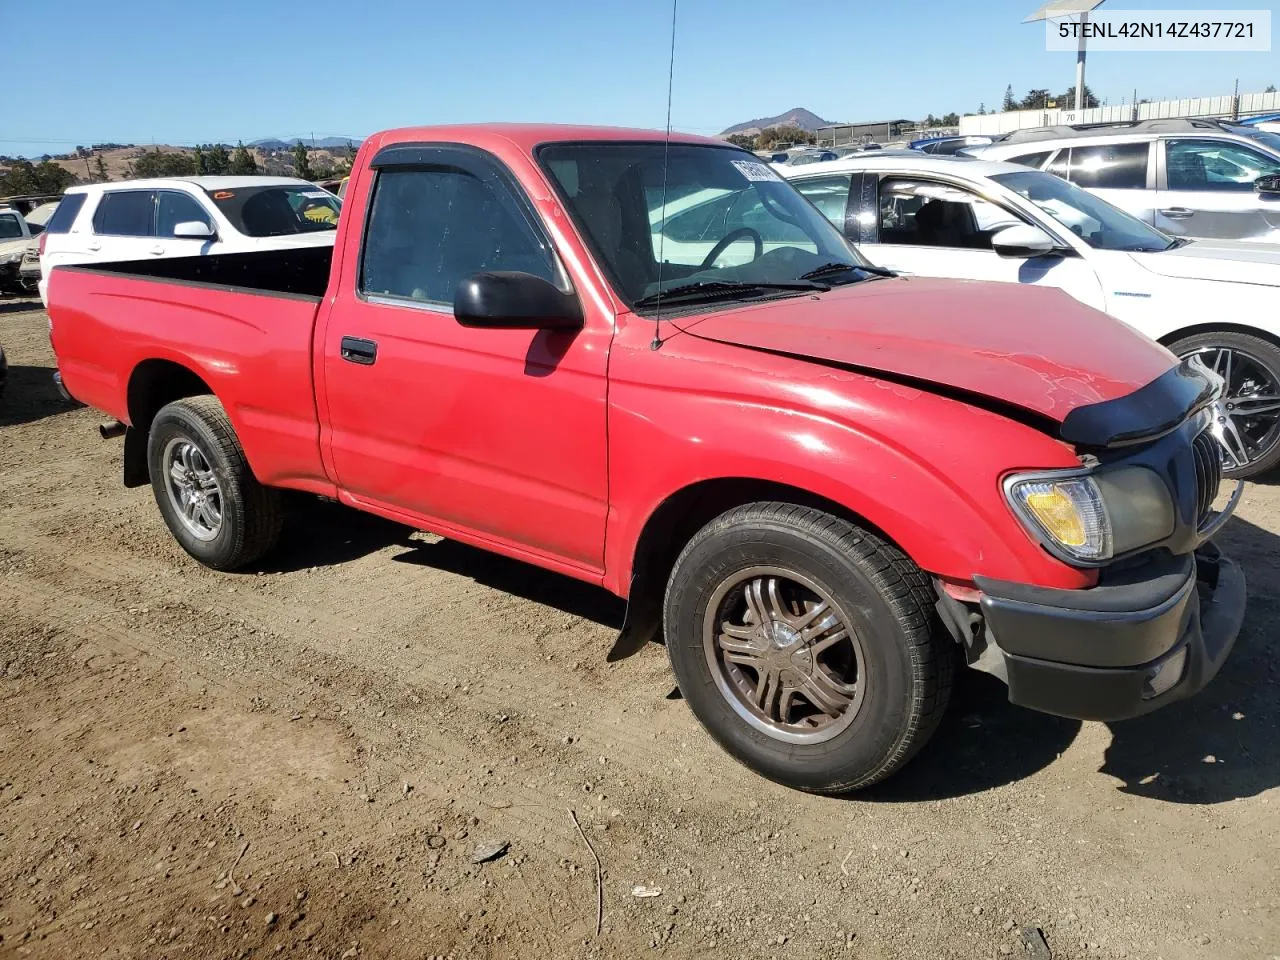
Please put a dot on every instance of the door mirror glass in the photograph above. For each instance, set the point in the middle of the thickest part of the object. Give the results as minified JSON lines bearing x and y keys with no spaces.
{"x":193,"y":230}
{"x":1268,"y":185}
{"x":1023,"y":242}
{"x":510,"y":300}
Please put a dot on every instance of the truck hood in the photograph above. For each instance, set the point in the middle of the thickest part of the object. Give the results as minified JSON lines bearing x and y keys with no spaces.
{"x":1233,"y":261}
{"x":1033,"y":348}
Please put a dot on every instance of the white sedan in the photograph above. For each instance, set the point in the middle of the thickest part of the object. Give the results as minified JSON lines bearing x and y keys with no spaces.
{"x":980,"y":220}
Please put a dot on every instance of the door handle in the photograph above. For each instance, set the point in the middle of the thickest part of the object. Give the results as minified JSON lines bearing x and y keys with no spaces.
{"x":95,"y":247}
{"x":1176,"y":213}
{"x":359,"y":350}
{"x":156,"y":250}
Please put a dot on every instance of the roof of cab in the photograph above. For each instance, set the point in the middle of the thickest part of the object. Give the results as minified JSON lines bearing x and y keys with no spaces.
{"x":526,"y":136}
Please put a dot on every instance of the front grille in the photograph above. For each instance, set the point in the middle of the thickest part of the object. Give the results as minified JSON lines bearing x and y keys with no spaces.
{"x":31,"y":256}
{"x":1208,"y":460}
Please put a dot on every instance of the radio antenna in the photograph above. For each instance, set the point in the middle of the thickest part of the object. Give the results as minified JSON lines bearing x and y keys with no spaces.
{"x":666,"y":157}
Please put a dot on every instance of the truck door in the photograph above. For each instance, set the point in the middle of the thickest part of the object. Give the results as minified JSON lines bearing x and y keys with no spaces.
{"x":496,"y":434}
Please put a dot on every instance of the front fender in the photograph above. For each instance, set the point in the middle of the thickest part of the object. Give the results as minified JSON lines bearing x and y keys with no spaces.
{"x":922,"y":468}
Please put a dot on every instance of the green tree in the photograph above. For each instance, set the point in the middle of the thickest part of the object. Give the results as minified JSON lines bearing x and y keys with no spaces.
{"x":163,"y":163}
{"x":1036,"y":99}
{"x":198,"y":158}
{"x":242,"y":162}
{"x":770,"y":137}
{"x":101,"y":167}
{"x":1068,"y":100}
{"x":302,"y":162}
{"x":1010,"y":102}
{"x":742,"y":140}
{"x":216,"y":159}
{"x":931,"y":121}
{"x":951,"y":120}
{"x":1271,"y":88}
{"x":25,"y":178}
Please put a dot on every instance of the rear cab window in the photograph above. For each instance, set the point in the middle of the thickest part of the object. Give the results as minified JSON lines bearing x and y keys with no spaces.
{"x":278,"y":210}
{"x":126,"y":213}
{"x":63,"y":217}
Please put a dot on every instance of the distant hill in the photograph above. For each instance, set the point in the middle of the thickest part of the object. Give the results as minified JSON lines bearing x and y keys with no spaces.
{"x":323,"y":143}
{"x":795,"y":117}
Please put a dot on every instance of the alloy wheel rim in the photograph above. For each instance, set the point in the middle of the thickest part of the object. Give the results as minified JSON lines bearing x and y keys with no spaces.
{"x":1246,"y":419}
{"x":784,"y":655}
{"x":193,"y":488}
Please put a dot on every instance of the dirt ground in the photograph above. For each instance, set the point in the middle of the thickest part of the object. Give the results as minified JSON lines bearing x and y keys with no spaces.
{"x":303,"y":760}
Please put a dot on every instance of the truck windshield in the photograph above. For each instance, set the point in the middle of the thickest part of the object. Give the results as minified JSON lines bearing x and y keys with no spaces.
{"x":729,"y":228}
{"x":1090,"y":218}
{"x":277,"y":210}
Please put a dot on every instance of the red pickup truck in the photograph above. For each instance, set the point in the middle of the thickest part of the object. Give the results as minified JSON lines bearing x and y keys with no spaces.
{"x":652,"y":365}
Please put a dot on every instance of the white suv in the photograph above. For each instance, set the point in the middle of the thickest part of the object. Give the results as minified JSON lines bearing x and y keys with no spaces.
{"x":185,"y":217}
{"x":1188,"y":177}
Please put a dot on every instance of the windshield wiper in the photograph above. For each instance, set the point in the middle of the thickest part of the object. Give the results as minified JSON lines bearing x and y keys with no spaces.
{"x":712,"y":289}
{"x":827,"y":269}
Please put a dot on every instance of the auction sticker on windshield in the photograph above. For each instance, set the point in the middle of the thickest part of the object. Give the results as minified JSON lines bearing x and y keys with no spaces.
{"x":754,"y":170}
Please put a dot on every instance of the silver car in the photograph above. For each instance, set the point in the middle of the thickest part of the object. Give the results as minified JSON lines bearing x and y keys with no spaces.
{"x":1189,"y":178}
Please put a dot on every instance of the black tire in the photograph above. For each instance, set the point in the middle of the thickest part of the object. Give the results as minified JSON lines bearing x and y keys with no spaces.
{"x":1259,"y":351}
{"x":906,"y":664}
{"x":251,"y":515}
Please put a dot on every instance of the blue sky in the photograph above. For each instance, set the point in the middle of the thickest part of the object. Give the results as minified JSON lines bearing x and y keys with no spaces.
{"x":181,"y":71}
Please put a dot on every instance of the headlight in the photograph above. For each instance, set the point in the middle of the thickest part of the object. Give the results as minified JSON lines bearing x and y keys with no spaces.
{"x":11,"y":257}
{"x":1090,"y":518}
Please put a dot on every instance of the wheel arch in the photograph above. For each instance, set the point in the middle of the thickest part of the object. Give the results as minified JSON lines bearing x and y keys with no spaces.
{"x":153,"y":383}
{"x":1196,"y":329}
{"x":674,"y":522}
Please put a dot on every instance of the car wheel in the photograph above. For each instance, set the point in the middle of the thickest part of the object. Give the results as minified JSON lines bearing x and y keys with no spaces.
{"x":806,"y":646}
{"x":211,"y":501}
{"x":1246,"y":420}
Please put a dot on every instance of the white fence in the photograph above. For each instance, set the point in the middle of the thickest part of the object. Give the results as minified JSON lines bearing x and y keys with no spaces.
{"x":1250,"y":103}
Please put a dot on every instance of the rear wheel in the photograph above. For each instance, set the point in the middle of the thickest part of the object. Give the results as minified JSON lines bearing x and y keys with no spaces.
{"x":210,"y":500}
{"x":1246,"y":420}
{"x":806,"y":646}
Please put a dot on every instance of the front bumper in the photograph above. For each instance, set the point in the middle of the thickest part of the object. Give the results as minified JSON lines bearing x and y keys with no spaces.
{"x":1143,"y":638}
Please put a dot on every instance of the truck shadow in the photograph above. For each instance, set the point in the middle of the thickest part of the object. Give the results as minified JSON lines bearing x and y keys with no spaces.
{"x":521,"y":579}
{"x":29,"y":395}
{"x":322,"y":533}
{"x":983,"y":742}
{"x":20,"y":306}
{"x":1224,"y":743}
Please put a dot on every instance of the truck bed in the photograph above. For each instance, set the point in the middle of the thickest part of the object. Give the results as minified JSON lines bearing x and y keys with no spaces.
{"x":299,"y":271}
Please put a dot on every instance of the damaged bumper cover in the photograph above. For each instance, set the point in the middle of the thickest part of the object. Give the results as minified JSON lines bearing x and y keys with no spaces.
{"x":1144,"y":637}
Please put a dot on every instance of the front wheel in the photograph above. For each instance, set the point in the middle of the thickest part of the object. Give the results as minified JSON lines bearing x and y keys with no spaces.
{"x":1246,"y":420}
{"x":212,"y":503}
{"x":806,"y":646}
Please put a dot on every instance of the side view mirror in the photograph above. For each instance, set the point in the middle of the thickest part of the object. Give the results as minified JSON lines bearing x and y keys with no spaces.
{"x":1023,"y":242}
{"x":1268,"y":185}
{"x":509,"y":300}
{"x":193,"y":230}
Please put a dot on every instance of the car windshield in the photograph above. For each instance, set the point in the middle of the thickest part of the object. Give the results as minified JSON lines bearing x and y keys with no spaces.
{"x":1090,"y":218}
{"x":277,"y":210}
{"x":720,"y":220}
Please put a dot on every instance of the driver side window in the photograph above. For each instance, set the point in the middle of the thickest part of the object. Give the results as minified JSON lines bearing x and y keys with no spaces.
{"x":925,"y":213}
